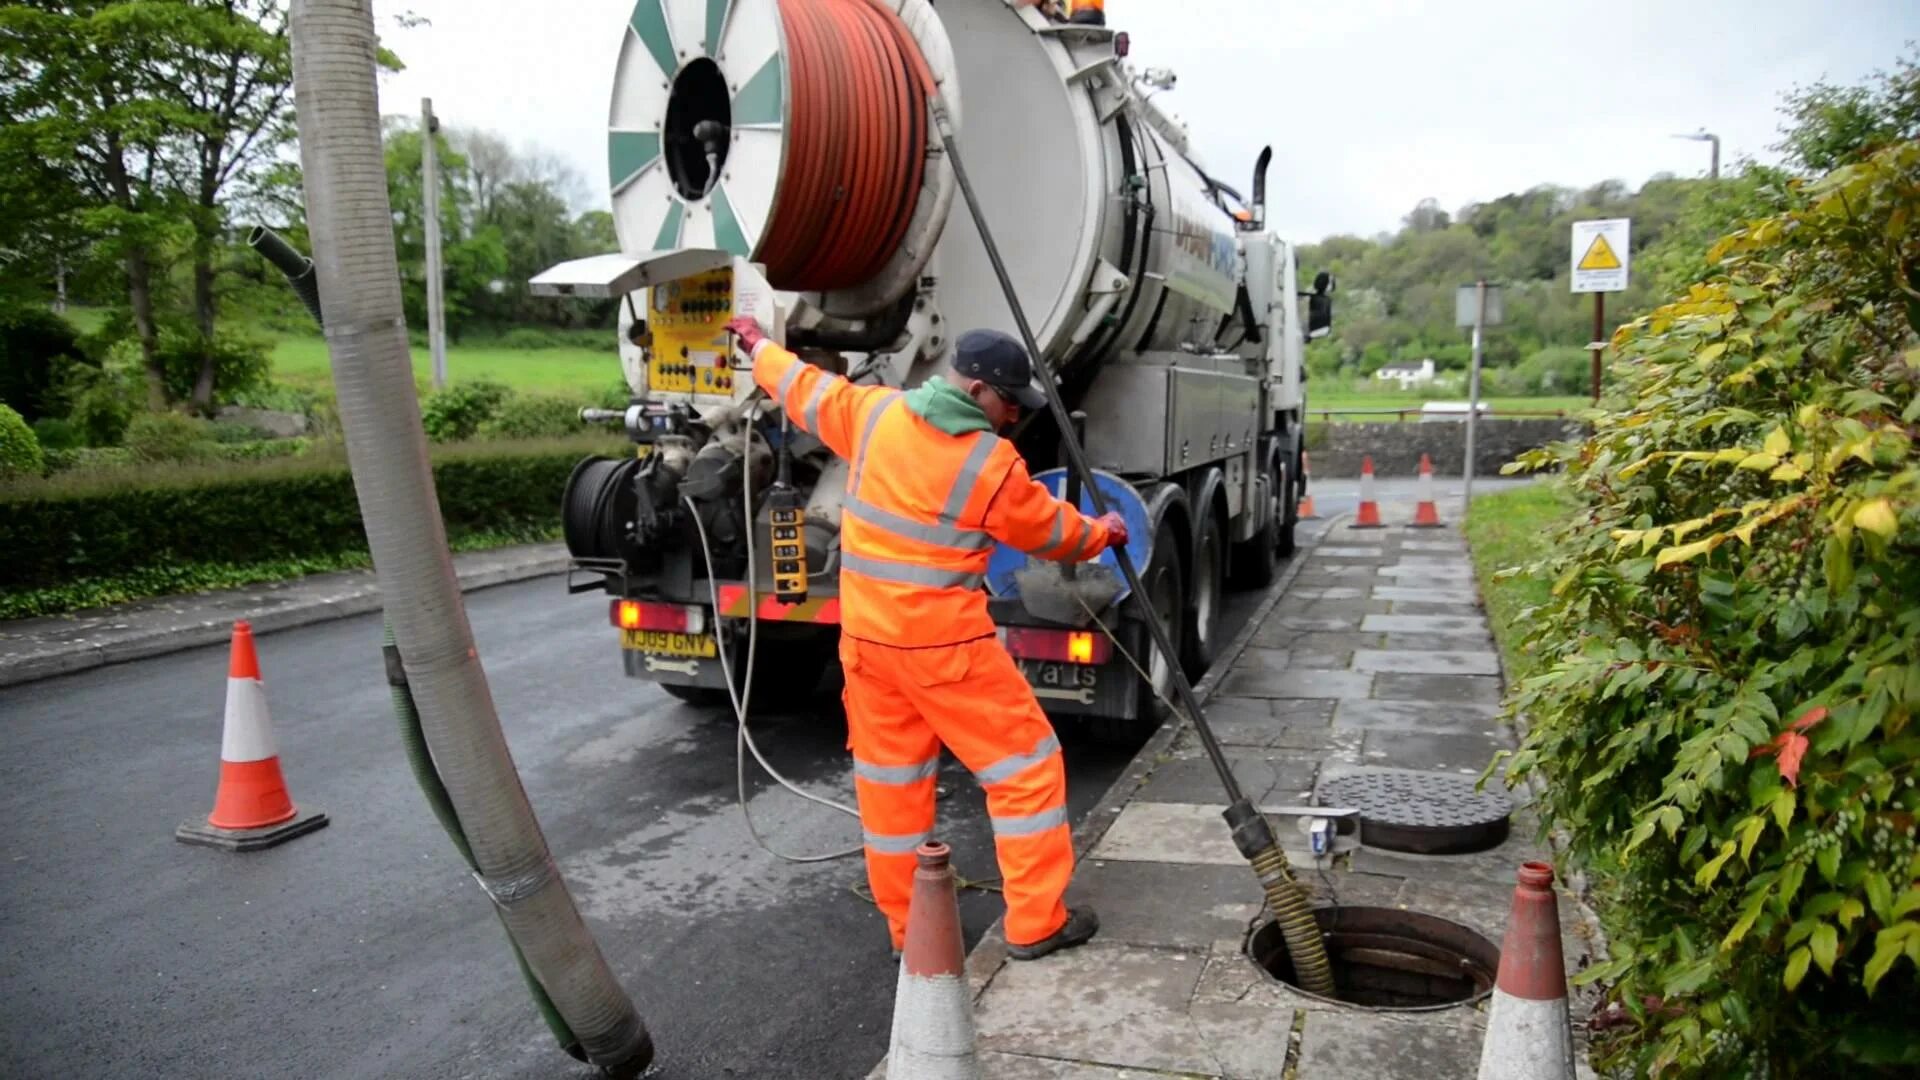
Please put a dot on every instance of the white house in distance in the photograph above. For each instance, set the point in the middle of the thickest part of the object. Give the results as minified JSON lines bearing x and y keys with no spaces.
{"x":1407,"y":375}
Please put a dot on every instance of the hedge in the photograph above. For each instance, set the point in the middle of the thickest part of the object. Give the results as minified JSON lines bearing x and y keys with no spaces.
{"x":70,"y":528}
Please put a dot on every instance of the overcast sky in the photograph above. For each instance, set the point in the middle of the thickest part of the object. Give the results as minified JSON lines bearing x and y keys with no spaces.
{"x":1370,"y":105}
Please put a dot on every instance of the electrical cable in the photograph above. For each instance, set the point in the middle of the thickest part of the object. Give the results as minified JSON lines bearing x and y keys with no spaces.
{"x":741,"y":693}
{"x":857,"y":145}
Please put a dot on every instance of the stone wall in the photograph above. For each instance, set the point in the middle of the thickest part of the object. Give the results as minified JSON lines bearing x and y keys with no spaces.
{"x":1336,"y":449}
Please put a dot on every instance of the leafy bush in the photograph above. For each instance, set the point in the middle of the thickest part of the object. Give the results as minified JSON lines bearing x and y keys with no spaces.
{"x":71,"y":532}
{"x":456,"y":413}
{"x":240,"y":362}
{"x":57,"y":434}
{"x":19,"y":449}
{"x":101,"y":401}
{"x":534,"y":416}
{"x":1729,"y":664}
{"x":159,"y":437}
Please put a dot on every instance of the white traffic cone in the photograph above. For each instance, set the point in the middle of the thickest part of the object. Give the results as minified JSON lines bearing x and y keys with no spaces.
{"x":1368,"y":516}
{"x":933,"y":1036}
{"x":1426,"y":515}
{"x":1529,"y":1036}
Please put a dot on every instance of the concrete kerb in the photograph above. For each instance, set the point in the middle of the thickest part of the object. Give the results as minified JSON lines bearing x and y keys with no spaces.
{"x":990,"y":954}
{"x":357,"y":599}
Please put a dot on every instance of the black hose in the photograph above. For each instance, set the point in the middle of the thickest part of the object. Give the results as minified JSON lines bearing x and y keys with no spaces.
{"x":297,"y":267}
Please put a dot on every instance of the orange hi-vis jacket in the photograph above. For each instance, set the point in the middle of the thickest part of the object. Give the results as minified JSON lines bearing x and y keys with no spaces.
{"x":923,"y":507}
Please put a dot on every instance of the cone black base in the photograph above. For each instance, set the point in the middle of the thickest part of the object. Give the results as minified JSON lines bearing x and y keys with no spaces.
{"x":199,"y":833}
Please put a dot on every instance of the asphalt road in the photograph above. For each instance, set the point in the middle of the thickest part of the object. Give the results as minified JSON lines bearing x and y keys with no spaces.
{"x":365,"y":949}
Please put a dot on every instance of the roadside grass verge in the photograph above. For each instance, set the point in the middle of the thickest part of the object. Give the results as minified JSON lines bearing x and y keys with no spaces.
{"x":1509,"y":529}
{"x":302,"y":362}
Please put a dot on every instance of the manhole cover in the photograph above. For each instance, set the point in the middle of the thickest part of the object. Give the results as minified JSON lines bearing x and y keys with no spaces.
{"x":1425,"y":813}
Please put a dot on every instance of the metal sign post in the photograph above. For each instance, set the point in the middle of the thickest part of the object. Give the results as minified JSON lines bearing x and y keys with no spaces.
{"x":1477,"y":305}
{"x":1601,"y":257}
{"x":436,"y":298}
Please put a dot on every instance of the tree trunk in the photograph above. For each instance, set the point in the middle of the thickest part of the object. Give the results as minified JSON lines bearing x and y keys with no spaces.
{"x":204,"y":311}
{"x":140,"y":298}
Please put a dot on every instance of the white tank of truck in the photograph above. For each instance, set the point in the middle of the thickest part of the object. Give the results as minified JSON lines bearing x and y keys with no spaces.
{"x":801,"y":137}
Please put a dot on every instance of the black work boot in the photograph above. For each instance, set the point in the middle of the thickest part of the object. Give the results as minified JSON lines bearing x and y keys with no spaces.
{"x":1080,"y":927}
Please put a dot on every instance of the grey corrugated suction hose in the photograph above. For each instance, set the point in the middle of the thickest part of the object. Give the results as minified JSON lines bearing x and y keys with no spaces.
{"x":351,"y":222}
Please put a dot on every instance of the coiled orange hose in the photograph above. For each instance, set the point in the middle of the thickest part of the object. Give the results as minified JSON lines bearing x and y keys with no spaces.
{"x":857,"y":144}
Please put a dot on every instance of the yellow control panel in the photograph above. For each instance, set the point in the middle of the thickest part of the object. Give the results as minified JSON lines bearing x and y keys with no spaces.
{"x":787,"y":511}
{"x":688,"y":320}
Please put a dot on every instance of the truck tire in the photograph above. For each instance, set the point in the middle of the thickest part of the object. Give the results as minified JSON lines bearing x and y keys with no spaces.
{"x":1165,"y":583}
{"x":1207,"y":577}
{"x":1289,"y":486}
{"x":1256,"y":562}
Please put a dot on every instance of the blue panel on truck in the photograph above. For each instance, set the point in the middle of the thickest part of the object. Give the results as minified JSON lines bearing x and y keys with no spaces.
{"x":1120,"y":496}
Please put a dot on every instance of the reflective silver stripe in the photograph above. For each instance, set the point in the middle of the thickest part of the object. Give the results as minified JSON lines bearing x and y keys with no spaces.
{"x":969,"y":476}
{"x":1031,"y":823}
{"x":810,"y":416}
{"x":866,"y":440}
{"x":786,"y":381}
{"x":1080,"y":547}
{"x":894,"y":844}
{"x":1057,"y":534}
{"x":908,"y":573}
{"x":943,"y":534}
{"x":896,"y":774}
{"x":1013,"y":764}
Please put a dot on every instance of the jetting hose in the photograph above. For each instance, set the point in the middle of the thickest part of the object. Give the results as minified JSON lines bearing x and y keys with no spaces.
{"x":1252,"y":834}
{"x":858,"y":145}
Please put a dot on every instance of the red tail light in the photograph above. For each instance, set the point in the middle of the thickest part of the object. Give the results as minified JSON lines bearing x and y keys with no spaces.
{"x":644,"y":615}
{"x":1059,"y":646}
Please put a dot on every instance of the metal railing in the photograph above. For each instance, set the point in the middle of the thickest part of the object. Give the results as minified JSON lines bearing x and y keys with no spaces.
{"x":1400,"y":414}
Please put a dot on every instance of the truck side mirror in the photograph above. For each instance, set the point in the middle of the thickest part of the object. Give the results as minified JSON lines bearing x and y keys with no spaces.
{"x":1320,"y":306}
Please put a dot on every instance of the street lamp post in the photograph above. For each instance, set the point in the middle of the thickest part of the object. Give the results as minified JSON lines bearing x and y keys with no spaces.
{"x":1705,"y":136}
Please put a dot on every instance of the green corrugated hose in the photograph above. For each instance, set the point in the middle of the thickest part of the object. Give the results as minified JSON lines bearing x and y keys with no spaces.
{"x":420,"y":760}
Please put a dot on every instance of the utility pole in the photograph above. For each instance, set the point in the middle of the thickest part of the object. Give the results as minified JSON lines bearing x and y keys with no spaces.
{"x":1713,"y":170}
{"x":436,"y":298}
{"x":1473,"y":384}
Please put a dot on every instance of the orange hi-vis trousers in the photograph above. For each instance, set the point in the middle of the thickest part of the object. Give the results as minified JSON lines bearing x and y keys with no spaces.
{"x":902,"y":705}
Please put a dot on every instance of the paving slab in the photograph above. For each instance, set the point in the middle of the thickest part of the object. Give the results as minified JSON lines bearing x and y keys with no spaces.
{"x":1378,"y":714}
{"x":1428,"y":662}
{"x":1419,"y":607}
{"x":1423,"y":595}
{"x":1351,"y":1045}
{"x":1276,"y":776}
{"x":1298,"y":683}
{"x":1414,"y":573}
{"x":1304,"y":725}
{"x":1451,"y":689}
{"x":1100,"y":1004}
{"x":1425,"y":624}
{"x":1450,"y":546}
{"x":1456,"y":752}
{"x":1190,"y":834}
{"x":1349,"y":551}
{"x":1153,"y":903}
{"x":1300,"y":620}
{"x":1482,"y":642}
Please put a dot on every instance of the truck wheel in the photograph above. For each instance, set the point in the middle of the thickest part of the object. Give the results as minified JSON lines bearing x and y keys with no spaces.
{"x":1200,"y":641}
{"x":1289,"y":508}
{"x":1166,"y":591}
{"x":1257,"y":561}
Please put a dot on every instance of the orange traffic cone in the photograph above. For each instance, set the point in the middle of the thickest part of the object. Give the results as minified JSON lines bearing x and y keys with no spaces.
{"x":251,"y":809}
{"x":933,"y":1036}
{"x":1307,"y":512}
{"x":1426,"y":515}
{"x":1368,"y":516}
{"x":1528,"y":1033}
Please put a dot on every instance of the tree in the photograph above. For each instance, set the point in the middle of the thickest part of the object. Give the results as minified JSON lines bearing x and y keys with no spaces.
{"x":140,"y":118}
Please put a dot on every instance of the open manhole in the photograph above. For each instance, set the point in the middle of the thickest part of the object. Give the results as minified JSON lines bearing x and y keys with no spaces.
{"x":1388,"y":959}
{"x":1426,"y":813}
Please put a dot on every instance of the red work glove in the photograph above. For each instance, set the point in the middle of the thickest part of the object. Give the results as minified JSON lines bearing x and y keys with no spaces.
{"x":1116,"y":529}
{"x":748,"y":331}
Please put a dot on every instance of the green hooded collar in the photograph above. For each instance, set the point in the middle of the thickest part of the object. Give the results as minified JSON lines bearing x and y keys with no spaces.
{"x":943,"y":405}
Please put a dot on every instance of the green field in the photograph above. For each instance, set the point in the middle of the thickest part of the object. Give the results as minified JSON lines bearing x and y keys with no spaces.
{"x":302,"y":361}
{"x":1339,"y":397}
{"x":1512,"y":528}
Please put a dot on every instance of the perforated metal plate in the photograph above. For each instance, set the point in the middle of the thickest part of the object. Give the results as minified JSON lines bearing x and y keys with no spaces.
{"x":1420,"y":812}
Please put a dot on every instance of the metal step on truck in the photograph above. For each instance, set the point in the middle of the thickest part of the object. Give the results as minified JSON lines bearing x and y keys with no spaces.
{"x":775,"y":158}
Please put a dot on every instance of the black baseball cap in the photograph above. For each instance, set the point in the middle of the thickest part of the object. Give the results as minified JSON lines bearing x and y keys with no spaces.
{"x":999,"y":361}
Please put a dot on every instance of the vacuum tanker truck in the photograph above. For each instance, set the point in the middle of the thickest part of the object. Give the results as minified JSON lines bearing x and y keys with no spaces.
{"x":783,"y":158}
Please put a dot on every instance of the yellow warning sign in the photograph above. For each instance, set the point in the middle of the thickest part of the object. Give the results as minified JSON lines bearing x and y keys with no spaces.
{"x":1600,"y":255}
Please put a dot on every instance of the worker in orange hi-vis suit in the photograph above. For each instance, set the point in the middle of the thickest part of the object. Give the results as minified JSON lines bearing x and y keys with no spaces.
{"x":929,"y":489}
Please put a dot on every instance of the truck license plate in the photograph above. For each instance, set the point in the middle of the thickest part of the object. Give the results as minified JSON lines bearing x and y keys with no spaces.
{"x":1042,"y":673}
{"x":669,"y":643}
